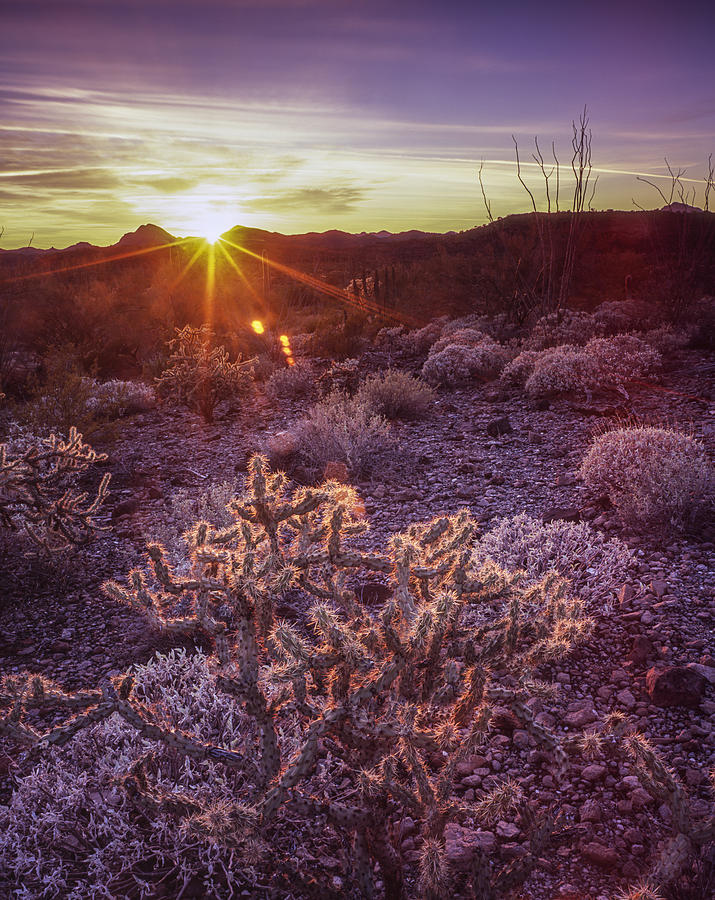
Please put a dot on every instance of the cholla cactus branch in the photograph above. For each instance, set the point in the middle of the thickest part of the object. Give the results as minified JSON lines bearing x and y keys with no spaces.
{"x":369,"y":694}
{"x":36,"y":493}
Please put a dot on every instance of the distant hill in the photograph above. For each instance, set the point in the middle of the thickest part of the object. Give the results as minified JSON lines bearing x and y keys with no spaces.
{"x":663,"y":256}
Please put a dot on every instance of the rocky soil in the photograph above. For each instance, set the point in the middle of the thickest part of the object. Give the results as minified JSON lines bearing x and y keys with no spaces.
{"x":652,"y":656}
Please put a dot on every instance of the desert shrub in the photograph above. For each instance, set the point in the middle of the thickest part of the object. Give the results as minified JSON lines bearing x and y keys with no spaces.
{"x":186,"y":506}
{"x":616,"y":316}
{"x":343,"y":376}
{"x":458,"y":363}
{"x":116,"y":398}
{"x":702,"y":330}
{"x":570,"y":327}
{"x":263,"y":366}
{"x":621,"y":358}
{"x":651,"y":475}
{"x":301,"y":344}
{"x":202,"y":376}
{"x":339,"y":339}
{"x":341,"y":429}
{"x":595,"y":566}
{"x":560,"y":370}
{"x":293,"y":382}
{"x":422,"y":339}
{"x":91,"y":780}
{"x":391,"y":337}
{"x":63,"y":397}
{"x":602,"y":363}
{"x":38,"y":493}
{"x":465,"y":337}
{"x":294,"y":735}
{"x":664,"y":340}
{"x":516,"y":372}
{"x":395,"y":395}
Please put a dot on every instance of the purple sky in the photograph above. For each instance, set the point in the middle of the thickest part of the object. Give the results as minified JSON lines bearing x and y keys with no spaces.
{"x":310,"y":115}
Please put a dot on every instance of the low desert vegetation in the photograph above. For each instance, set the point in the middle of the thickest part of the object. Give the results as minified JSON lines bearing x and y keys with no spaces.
{"x":200,"y":374}
{"x":342,"y":429}
{"x":242,"y":726}
{"x":292,"y":382}
{"x":219,"y":770}
{"x":457,"y":363}
{"x":595,"y":566}
{"x":395,"y":395}
{"x":602,"y":364}
{"x":38,"y":493}
{"x":655,"y":477}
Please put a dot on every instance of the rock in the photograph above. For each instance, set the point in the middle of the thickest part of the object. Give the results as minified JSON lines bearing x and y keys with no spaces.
{"x":580,"y":717}
{"x":708,"y":672}
{"x":462,"y":844}
{"x":605,"y":857}
{"x":497,"y":427}
{"x":590,"y":811}
{"x":675,"y":686}
{"x":126,"y":508}
{"x":640,"y":798}
{"x":564,"y":480}
{"x":641,"y":650}
{"x":594,"y":772}
{"x":561,"y":514}
{"x":336,"y":471}
{"x":507,"y":830}
{"x":626,"y":699}
{"x":282,"y":445}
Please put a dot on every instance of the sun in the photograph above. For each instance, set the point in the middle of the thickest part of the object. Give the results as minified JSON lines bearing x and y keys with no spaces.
{"x":211,"y":232}
{"x":213,"y":224}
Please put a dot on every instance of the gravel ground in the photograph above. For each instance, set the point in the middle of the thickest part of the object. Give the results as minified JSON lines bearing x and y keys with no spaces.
{"x":55,"y":620}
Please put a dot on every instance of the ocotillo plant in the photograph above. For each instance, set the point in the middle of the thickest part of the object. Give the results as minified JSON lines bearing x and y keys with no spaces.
{"x":398,"y":697}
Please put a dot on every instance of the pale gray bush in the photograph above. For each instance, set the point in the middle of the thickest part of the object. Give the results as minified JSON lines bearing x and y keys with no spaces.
{"x":79,"y":788}
{"x":395,"y":395}
{"x":342,"y":429}
{"x":621,"y":358}
{"x":568,"y":327}
{"x":459,"y":363}
{"x":595,"y":565}
{"x":292,"y":382}
{"x":560,"y":370}
{"x":653,"y":476}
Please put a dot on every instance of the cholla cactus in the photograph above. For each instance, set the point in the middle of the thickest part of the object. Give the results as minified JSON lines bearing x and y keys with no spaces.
{"x":367,"y":696}
{"x":689,"y":832}
{"x":651,"y":475}
{"x":201,"y":375}
{"x":36,"y":493}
